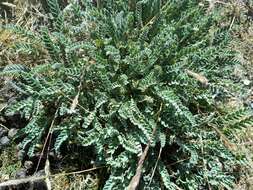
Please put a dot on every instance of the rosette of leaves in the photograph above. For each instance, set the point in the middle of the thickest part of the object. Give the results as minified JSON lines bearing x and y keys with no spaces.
{"x":122,"y":76}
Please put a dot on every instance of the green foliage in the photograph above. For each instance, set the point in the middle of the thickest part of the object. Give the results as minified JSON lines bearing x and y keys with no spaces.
{"x":115,"y":73}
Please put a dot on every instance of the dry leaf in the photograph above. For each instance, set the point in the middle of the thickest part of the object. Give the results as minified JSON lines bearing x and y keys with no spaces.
{"x":74,"y":103}
{"x":202,"y":79}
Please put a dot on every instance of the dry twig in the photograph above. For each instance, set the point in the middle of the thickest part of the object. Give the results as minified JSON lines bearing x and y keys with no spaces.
{"x":136,"y":178}
{"x":16,"y":182}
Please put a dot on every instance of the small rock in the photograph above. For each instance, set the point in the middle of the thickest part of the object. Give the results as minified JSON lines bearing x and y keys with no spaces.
{"x":4,"y":141}
{"x":2,"y":119}
{"x":21,"y":173}
{"x":12,"y":132}
{"x":28,"y":165}
{"x":3,"y":132}
{"x":21,"y":155}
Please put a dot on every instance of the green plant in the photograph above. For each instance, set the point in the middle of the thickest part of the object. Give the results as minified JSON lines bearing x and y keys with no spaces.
{"x":123,"y":75}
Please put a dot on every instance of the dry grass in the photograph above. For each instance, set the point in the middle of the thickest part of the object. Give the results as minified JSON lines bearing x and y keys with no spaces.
{"x":243,"y":33}
{"x":8,"y":164}
{"x":76,"y":182}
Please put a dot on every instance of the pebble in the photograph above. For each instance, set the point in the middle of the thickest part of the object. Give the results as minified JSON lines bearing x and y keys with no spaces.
{"x":12,"y":132}
{"x":2,"y":120}
{"x":28,"y":165}
{"x":21,"y":173}
{"x":3,"y":132}
{"x":4,"y":141}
